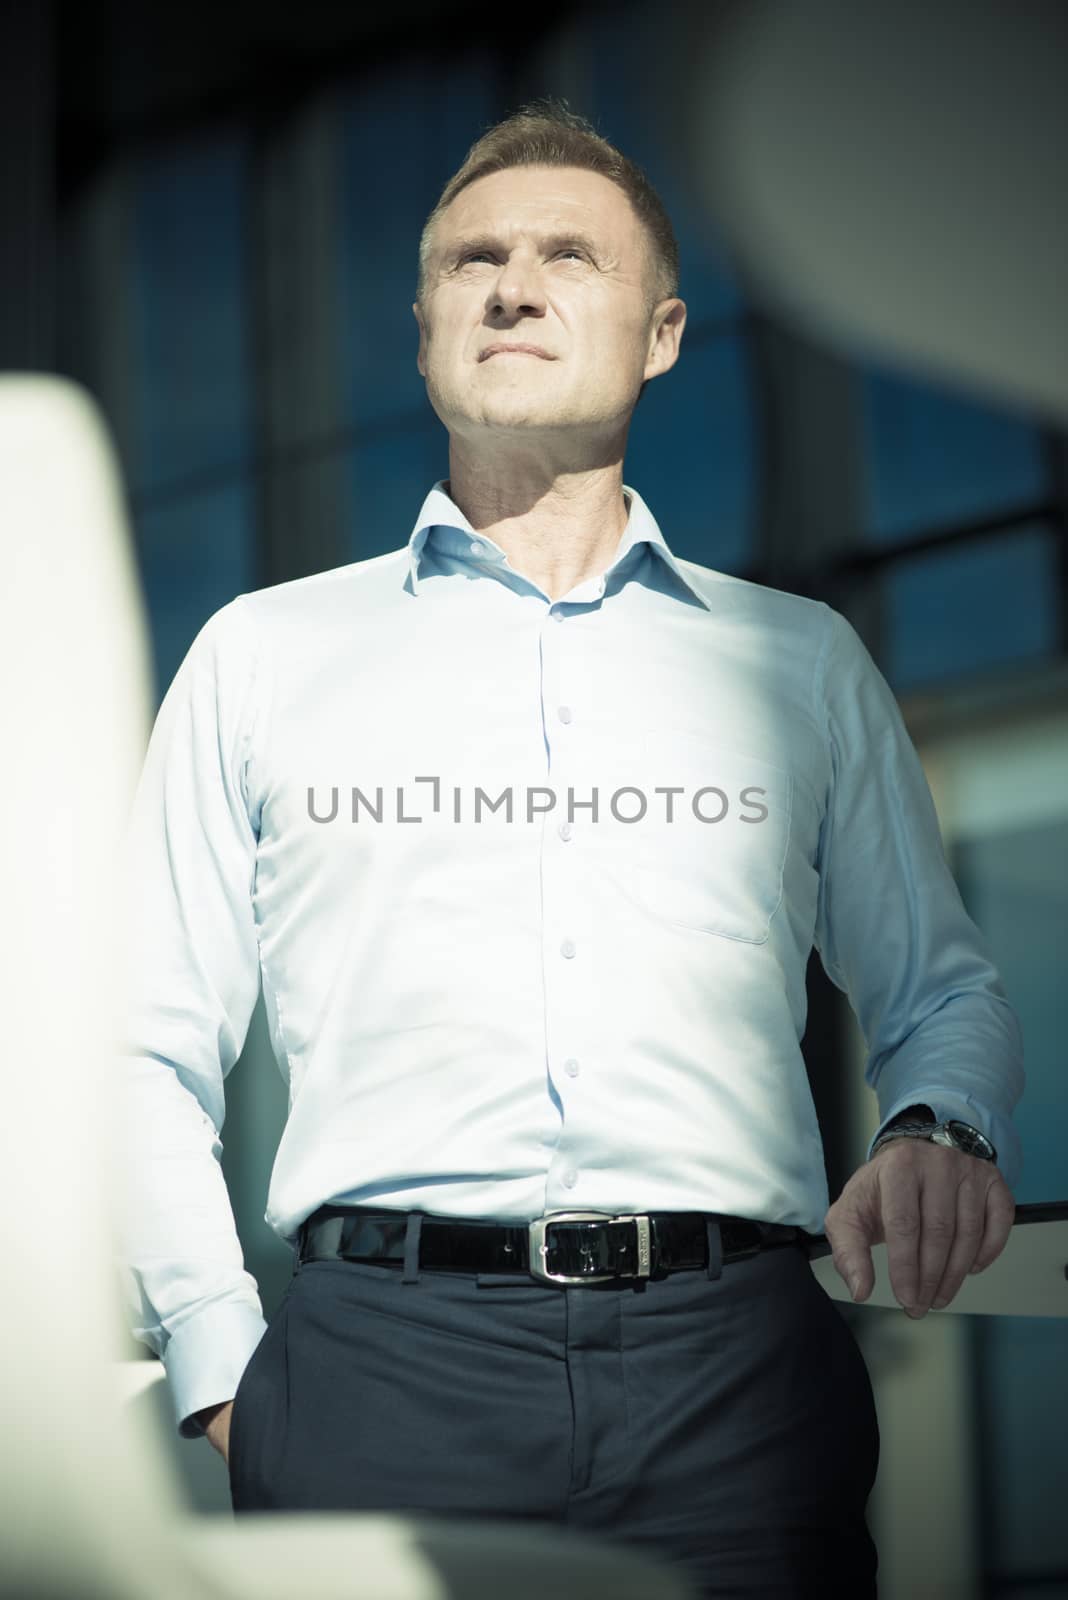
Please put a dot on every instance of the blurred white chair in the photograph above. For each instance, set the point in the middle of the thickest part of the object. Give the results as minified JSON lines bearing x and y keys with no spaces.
{"x":91,"y":1503}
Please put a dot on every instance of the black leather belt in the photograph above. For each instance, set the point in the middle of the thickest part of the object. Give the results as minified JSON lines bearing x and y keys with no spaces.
{"x":566,"y":1247}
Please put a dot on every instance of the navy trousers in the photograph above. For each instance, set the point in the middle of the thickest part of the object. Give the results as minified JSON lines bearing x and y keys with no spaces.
{"x":721,"y":1419}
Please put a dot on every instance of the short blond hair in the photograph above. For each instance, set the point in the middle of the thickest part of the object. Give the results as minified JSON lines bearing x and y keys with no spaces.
{"x":546,"y":133}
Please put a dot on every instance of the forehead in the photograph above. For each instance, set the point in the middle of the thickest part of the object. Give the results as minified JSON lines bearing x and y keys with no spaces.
{"x":530,"y":199}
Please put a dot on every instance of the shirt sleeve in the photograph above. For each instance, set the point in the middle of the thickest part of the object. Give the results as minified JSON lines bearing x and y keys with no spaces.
{"x":891,"y":928}
{"x":192,"y":965}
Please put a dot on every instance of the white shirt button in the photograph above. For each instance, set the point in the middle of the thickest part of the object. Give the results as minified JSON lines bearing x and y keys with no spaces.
{"x":565,"y":830}
{"x":570,"y":1177}
{"x":557,"y":616}
{"x":476,"y":548}
{"x":568,"y":948}
{"x":571,"y":1067}
{"x":565,"y":713}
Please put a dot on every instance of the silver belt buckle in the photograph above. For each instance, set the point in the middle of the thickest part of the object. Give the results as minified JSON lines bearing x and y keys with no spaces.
{"x":538,"y":1249}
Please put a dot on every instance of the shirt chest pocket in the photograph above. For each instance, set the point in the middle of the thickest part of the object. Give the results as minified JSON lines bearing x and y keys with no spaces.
{"x":717,"y":865}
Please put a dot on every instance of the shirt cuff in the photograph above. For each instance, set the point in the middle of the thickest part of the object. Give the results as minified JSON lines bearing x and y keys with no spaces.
{"x":205,"y":1357}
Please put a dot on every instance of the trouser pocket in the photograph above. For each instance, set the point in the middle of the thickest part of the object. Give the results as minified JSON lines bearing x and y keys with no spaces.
{"x":258,"y":1420}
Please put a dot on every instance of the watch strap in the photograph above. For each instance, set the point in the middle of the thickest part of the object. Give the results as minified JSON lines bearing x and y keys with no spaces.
{"x":934,"y":1132}
{"x":905,"y":1130}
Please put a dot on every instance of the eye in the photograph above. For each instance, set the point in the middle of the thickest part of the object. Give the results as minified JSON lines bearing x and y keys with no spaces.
{"x":484,"y":255}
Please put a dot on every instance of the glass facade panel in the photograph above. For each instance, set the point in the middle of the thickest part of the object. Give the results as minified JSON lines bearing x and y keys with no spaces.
{"x":991,"y":603}
{"x":934,"y":458}
{"x":196,"y":553}
{"x":391,"y":474}
{"x":1014,"y":882}
{"x":691,"y":453}
{"x":187,"y":288}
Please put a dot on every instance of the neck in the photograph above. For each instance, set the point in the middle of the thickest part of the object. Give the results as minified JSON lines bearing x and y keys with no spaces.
{"x":556,"y":528}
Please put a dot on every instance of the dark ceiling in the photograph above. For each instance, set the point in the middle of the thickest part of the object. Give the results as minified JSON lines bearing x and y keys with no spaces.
{"x":127,"y":70}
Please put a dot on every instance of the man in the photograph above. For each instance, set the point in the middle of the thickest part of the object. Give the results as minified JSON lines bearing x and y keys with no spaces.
{"x":529,"y":829}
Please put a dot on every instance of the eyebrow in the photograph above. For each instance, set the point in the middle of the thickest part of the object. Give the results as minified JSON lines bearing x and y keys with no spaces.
{"x":552,"y":241}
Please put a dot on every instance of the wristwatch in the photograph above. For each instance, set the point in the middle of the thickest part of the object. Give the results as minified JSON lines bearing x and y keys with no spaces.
{"x":956,"y":1135}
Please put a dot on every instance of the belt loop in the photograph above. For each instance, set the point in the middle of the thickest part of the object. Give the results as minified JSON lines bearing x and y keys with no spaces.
{"x":411,"y":1247}
{"x":715,"y":1248}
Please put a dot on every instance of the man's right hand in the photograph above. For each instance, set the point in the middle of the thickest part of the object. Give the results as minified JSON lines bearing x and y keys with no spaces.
{"x":215,"y":1421}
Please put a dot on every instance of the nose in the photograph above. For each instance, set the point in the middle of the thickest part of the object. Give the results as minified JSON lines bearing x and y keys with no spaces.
{"x":518,"y":289}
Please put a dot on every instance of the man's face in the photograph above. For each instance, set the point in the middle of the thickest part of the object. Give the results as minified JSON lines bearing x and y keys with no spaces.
{"x":548,"y":256}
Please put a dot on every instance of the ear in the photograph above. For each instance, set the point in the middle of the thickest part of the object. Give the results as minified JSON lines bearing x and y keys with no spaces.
{"x":420,"y":359}
{"x":665,"y":337}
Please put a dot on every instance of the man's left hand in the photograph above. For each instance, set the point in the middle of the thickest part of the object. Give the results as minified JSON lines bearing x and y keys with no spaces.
{"x":942,"y":1214}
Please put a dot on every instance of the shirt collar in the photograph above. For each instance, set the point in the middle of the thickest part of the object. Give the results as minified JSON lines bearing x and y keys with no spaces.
{"x":440,"y":510}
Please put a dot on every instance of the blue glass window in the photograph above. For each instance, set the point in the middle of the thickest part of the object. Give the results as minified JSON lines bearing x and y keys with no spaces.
{"x":691,"y":453}
{"x":188,"y":295}
{"x":190,"y":387}
{"x":989,"y":604}
{"x":196,"y":554}
{"x":935,"y":458}
{"x":1014,"y":882}
{"x":391,"y":474}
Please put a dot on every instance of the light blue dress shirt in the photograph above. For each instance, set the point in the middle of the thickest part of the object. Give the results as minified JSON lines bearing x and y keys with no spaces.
{"x":428,"y":808}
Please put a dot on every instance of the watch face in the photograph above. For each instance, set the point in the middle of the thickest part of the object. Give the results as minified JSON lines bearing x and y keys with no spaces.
{"x":970,"y":1140}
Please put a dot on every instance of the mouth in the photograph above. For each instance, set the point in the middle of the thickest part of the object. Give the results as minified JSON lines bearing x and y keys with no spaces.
{"x":515,"y":350}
